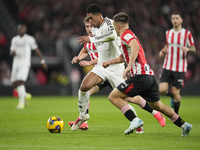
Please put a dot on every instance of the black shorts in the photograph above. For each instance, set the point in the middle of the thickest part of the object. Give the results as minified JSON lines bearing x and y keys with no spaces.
{"x":173,"y":78}
{"x":103,"y":85}
{"x":143,"y":85}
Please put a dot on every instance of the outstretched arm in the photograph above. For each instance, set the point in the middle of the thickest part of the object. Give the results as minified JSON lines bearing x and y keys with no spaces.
{"x":190,"y":49}
{"x":163,"y":51}
{"x":42,"y":61}
{"x":113,"y":61}
{"x":109,"y":36}
{"x":83,"y":53}
{"x":134,"y":53}
{"x":88,"y":63}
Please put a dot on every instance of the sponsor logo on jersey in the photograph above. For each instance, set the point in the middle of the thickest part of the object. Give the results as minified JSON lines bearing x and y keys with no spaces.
{"x":128,"y":36}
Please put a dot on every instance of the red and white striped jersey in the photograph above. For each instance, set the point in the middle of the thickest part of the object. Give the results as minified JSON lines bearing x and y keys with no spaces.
{"x":92,"y":51}
{"x":140,"y":65}
{"x":175,"y":58}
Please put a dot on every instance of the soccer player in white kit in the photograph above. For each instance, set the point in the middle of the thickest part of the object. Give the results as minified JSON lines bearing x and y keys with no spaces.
{"x":107,"y":42}
{"x":21,"y":46}
{"x":179,"y":42}
{"x":90,"y":49}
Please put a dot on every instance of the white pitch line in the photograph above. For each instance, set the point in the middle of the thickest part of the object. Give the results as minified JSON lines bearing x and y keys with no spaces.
{"x":69,"y":147}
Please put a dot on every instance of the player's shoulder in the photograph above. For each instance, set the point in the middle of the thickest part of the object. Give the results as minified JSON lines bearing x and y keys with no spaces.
{"x":127,"y":34}
{"x":169,"y":30}
{"x":186,"y":30}
{"x":15,"y":37}
{"x":107,"y":23}
{"x":29,"y":37}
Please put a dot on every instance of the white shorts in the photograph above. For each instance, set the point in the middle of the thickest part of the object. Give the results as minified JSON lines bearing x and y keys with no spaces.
{"x":114,"y":77}
{"x":19,"y":73}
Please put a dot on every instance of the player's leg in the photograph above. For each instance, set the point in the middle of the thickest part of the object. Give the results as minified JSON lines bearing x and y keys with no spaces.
{"x":18,"y":77}
{"x":90,"y":80}
{"x":116,"y":97}
{"x":146,"y":86}
{"x":21,"y":94}
{"x":177,"y":84}
{"x":144,"y":105}
{"x":165,"y":80}
{"x":175,"y":118}
{"x":115,"y":78}
{"x":176,"y":99}
{"x":163,"y":88}
{"x":94,"y":89}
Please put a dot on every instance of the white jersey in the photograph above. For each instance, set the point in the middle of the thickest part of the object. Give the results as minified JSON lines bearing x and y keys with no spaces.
{"x":107,"y":43}
{"x":23,"y":46}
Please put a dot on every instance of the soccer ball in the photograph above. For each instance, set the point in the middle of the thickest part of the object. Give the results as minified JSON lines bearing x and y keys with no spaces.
{"x":55,"y":124}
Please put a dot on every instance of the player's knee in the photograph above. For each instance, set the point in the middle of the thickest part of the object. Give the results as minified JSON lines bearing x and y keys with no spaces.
{"x":156,"y":106}
{"x":111,"y":97}
{"x":84,"y":88}
{"x":162,"y":90}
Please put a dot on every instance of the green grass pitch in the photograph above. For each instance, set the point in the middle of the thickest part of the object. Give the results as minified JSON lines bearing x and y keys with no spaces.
{"x":26,"y":129}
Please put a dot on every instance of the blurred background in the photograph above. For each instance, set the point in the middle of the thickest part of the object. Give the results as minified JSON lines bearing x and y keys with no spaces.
{"x":56,"y":25}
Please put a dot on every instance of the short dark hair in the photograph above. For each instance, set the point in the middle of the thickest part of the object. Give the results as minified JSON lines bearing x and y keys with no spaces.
{"x":176,"y":13}
{"x":121,"y":17}
{"x":94,"y":9}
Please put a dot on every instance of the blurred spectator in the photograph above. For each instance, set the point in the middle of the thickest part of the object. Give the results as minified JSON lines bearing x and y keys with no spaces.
{"x":41,"y":77}
{"x":48,"y":20}
{"x":5,"y":73}
{"x":3,"y":40}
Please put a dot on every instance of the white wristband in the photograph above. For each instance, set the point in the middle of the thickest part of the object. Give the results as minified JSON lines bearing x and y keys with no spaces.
{"x":42,"y":61}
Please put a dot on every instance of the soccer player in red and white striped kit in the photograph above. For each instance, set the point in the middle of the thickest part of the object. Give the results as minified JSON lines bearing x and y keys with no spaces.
{"x":179,"y":42}
{"x":142,"y":81}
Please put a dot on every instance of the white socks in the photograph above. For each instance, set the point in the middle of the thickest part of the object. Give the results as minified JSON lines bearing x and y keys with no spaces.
{"x":21,"y":94}
{"x":83,"y":102}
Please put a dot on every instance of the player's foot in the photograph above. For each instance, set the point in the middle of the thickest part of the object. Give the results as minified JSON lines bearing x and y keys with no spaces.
{"x":134,"y":124}
{"x":79,"y":121}
{"x":186,"y":129}
{"x":140,"y":130}
{"x":71,"y":123}
{"x":15,"y":93}
{"x":20,"y":106}
{"x":172,"y":103}
{"x":27,"y":98}
{"x":84,"y":126}
{"x":160,"y":118}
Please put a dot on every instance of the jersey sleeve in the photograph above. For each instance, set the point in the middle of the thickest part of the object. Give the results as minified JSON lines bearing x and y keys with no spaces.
{"x":33,"y":43}
{"x":190,"y":41}
{"x":109,"y":35}
{"x":166,"y":36}
{"x":128,"y":37}
{"x":85,"y":46}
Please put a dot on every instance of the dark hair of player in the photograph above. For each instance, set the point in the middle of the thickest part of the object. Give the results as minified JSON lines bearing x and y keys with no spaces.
{"x":121,"y":17}
{"x":94,"y":9}
{"x":177,"y":13}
